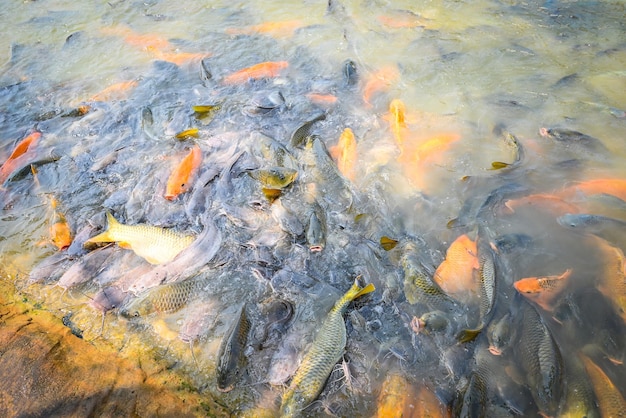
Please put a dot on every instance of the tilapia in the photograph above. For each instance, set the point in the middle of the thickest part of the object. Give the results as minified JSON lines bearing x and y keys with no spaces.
{"x":319,"y":361}
{"x":156,"y":245}
{"x":299,"y":136}
{"x":610,"y":229}
{"x":274,"y":177}
{"x":570,"y":138}
{"x":231,"y":358}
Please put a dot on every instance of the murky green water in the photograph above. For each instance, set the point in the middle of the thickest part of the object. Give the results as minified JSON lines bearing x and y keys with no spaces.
{"x":471,"y":75}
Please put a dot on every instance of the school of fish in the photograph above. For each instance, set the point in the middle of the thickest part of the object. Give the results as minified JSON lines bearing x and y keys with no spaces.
{"x":277,"y":223}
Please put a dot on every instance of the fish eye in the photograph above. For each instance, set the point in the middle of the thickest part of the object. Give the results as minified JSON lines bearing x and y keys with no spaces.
{"x":136,"y":314}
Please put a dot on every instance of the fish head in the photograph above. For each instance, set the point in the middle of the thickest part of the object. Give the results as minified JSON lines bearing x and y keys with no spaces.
{"x":529,"y":285}
{"x":138,"y":307}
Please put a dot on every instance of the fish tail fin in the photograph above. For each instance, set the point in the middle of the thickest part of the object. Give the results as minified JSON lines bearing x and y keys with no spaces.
{"x":364,"y":291}
{"x":468,"y":335}
{"x":106,"y":236}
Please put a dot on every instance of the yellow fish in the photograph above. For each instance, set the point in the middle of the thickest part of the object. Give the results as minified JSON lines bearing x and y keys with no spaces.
{"x":156,"y":245}
{"x":345,"y":154}
{"x":326,"y":350}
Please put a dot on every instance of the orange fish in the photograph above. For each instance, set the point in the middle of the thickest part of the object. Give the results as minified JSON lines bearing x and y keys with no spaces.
{"x":401,"y":20}
{"x":395,"y":399}
{"x":276,"y":29}
{"x":180,"y":58}
{"x":345,"y":154}
{"x":148,"y":42}
{"x":610,"y":400}
{"x":380,"y":81}
{"x":398,"y":398}
{"x":322,"y":99}
{"x":543,"y":290}
{"x":416,"y":157}
{"x":427,"y":404}
{"x":183,"y":175}
{"x":117,"y":91}
{"x":59,"y":230}
{"x":24,"y":145}
{"x":20,"y":150}
{"x":262,"y":70}
{"x":614,"y":187}
{"x":612,"y":282}
{"x":156,"y":45}
{"x":543,"y":202}
{"x":455,"y":275}
{"x":397,"y":120}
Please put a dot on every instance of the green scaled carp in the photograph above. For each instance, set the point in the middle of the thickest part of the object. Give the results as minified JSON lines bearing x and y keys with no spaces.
{"x":326,"y":350}
{"x":156,"y":245}
{"x":166,"y":298}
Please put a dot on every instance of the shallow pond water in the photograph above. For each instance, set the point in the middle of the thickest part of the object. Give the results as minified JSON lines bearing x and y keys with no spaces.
{"x":486,"y":120}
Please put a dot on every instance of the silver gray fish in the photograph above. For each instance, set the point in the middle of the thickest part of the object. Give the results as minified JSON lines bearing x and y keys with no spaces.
{"x":231,"y":358}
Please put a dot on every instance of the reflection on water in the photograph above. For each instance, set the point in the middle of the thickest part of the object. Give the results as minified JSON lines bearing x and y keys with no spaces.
{"x":477,"y":127}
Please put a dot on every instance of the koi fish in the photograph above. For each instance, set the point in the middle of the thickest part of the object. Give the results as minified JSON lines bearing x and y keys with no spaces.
{"x":322,"y":99}
{"x":345,"y":154}
{"x":397,"y":120}
{"x":24,"y":145}
{"x":159,"y":47}
{"x":614,"y":187}
{"x":180,"y":58}
{"x":396,"y":398}
{"x":117,"y":91}
{"x":455,"y":275}
{"x":268,"y":69}
{"x":275,"y":29}
{"x":380,"y":81}
{"x":402,"y":19}
{"x":543,"y":290}
{"x":59,"y":230}
{"x":543,"y":202}
{"x":11,"y":164}
{"x":417,"y":155}
{"x":182,"y":176}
